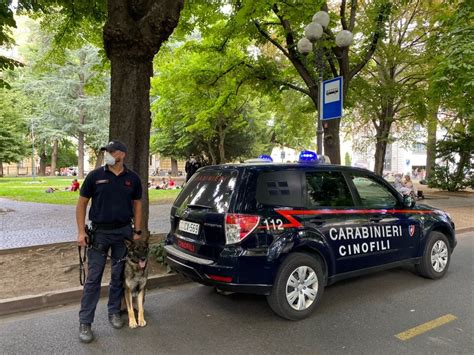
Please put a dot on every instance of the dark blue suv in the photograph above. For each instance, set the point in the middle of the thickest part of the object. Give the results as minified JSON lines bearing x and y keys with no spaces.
{"x":288,"y":230}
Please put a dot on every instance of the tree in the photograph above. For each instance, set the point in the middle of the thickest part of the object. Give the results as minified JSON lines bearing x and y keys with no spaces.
{"x":280,"y":23}
{"x":12,"y":127}
{"x":452,"y":85}
{"x":133,"y":33}
{"x":391,"y":90}
{"x":200,"y":108}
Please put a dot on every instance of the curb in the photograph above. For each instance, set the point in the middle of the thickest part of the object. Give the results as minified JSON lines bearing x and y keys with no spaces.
{"x":73,"y":295}
{"x":464,"y":230}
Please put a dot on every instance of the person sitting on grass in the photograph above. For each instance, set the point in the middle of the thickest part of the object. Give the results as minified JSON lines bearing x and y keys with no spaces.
{"x":74,"y":186}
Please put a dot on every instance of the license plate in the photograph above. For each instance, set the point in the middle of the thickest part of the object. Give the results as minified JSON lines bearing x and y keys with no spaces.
{"x":186,"y":246}
{"x":189,"y":227}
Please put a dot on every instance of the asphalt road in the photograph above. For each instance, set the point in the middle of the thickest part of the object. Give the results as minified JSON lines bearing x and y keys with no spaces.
{"x":356,"y":316}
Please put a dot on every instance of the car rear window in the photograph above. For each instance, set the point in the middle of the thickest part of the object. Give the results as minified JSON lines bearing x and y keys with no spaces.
{"x":209,"y":188}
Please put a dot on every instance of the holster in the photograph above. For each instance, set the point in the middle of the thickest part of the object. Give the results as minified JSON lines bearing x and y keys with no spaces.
{"x":90,"y":231}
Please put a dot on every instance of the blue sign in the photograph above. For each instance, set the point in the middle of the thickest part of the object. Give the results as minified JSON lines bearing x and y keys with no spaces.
{"x":331,"y":98}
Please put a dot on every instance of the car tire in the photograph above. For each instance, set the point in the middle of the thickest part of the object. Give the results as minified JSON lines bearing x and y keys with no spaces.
{"x":300,"y":284}
{"x":436,"y":257}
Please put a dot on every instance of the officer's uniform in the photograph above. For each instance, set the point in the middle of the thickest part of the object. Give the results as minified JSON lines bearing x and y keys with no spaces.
{"x":111,"y":214}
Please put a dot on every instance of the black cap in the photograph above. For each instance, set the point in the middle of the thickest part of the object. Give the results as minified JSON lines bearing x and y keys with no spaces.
{"x":112,"y":146}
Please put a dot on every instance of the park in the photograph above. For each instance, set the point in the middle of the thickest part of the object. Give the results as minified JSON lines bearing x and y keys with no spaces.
{"x":380,"y":85}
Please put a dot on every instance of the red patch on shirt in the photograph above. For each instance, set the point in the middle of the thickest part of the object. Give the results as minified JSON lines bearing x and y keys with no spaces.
{"x":128,"y":183}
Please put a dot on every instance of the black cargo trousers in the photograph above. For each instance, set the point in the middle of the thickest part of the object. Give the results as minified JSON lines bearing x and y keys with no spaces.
{"x":104,"y":240}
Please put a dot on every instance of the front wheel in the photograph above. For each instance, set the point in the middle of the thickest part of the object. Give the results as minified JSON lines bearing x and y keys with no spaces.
{"x":436,"y":257}
{"x":298,"y":287}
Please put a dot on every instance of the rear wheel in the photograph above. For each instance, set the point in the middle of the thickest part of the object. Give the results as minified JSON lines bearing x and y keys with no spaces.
{"x":298,"y":287}
{"x":436,"y":257}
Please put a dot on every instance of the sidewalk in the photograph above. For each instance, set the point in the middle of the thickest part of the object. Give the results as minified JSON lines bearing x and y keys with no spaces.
{"x":460,"y":205}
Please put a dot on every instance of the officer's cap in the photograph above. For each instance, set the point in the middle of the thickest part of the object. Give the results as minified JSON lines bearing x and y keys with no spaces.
{"x":114,"y":145}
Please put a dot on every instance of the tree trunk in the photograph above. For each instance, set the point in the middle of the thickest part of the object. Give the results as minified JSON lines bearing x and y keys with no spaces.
{"x":174,"y":167}
{"x":1,"y":168}
{"x":54,"y":157}
{"x":80,"y":149}
{"x":332,"y":147}
{"x":383,"y":132}
{"x":133,"y":34}
{"x":431,"y":143}
{"x":42,"y":165}
{"x":99,"y":159}
{"x":211,"y":153}
{"x":221,"y":145}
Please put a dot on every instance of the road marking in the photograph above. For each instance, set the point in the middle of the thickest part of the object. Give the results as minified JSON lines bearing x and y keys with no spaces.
{"x":423,"y":328}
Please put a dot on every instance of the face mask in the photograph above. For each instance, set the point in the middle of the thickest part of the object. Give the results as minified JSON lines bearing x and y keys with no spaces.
{"x":109,"y":159}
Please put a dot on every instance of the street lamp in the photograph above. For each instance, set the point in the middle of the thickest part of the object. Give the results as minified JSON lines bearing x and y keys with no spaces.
{"x":313,"y":33}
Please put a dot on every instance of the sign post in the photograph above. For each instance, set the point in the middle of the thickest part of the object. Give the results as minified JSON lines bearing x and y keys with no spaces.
{"x":331,"y":99}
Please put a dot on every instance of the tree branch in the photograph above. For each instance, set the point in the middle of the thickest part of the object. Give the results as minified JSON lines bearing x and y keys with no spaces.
{"x":353,"y":15}
{"x":342,"y":13}
{"x":270,"y":39}
{"x":382,"y":15}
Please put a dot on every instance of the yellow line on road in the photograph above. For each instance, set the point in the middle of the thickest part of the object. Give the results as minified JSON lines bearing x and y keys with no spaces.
{"x":423,"y":328}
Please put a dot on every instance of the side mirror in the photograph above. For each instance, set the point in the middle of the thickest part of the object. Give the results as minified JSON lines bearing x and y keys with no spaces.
{"x":408,"y":201}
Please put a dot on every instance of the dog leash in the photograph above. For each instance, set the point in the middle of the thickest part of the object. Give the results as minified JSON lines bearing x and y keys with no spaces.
{"x":82,"y":260}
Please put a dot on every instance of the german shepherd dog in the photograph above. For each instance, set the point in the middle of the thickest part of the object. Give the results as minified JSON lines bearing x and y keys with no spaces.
{"x":135,"y":278}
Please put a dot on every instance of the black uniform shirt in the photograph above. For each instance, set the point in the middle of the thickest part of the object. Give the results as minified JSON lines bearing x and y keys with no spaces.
{"x":112,"y":196}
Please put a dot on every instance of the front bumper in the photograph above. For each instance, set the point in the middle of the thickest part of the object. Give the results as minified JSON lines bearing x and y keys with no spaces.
{"x":198,"y":269}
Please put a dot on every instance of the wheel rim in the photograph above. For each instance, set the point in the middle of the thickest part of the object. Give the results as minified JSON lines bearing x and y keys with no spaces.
{"x":439,"y":256}
{"x":302,"y":288}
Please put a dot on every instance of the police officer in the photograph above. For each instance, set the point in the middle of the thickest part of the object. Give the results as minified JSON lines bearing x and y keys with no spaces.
{"x":116,"y":195}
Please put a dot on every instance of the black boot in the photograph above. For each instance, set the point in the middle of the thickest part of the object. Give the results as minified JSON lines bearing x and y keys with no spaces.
{"x":116,"y":321}
{"x":85,"y":333}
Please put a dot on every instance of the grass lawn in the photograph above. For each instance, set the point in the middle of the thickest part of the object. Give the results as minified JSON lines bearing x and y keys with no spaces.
{"x":27,"y":189}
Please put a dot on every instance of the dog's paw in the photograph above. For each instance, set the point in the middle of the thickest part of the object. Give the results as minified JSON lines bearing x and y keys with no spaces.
{"x":132,"y":324}
{"x":141,"y":322}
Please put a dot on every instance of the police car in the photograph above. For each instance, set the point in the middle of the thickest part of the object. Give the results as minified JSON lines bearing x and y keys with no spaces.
{"x":289,"y":230}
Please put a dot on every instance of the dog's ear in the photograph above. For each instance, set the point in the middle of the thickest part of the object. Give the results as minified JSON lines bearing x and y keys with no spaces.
{"x":128,"y":243}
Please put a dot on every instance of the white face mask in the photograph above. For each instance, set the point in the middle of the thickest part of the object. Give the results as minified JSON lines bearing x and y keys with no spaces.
{"x":109,"y":159}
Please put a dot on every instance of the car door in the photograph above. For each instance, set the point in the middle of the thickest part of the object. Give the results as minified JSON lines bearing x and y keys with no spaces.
{"x":391,"y":234}
{"x":329,"y":212}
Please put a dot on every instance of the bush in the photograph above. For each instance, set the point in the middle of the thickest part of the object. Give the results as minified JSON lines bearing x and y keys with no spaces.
{"x":157,"y":251}
{"x":443,"y":179}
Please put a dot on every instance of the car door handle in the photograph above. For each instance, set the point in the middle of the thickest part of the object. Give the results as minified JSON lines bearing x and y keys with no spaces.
{"x":376,"y":219}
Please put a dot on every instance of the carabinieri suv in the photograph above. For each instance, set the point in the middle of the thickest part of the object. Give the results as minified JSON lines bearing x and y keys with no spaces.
{"x":288,"y":230}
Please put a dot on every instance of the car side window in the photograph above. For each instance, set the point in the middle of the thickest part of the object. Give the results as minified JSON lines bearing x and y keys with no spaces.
{"x":279,"y":188}
{"x":328,"y":188}
{"x":373,"y":194}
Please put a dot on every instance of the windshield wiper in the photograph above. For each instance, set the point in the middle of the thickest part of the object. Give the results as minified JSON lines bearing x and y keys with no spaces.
{"x":195,"y":205}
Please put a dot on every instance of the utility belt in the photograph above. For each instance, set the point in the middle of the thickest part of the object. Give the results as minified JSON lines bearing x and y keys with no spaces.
{"x":108,"y":226}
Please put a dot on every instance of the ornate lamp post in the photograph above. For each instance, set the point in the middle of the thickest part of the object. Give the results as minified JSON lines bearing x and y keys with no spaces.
{"x":313,"y":33}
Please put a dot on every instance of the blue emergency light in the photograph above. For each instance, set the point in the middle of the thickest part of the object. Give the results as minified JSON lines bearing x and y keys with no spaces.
{"x":308,"y":156}
{"x":265,"y":157}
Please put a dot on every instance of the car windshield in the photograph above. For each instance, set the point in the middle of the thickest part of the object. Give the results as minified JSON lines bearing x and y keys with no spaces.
{"x":210,"y":189}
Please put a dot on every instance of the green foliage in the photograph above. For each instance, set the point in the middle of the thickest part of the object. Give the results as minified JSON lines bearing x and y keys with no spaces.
{"x":347,"y":159}
{"x":205,"y":104}
{"x":12,"y":126}
{"x":66,"y":154}
{"x":157,"y":251}
{"x":456,"y":152}
{"x":452,"y":76}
